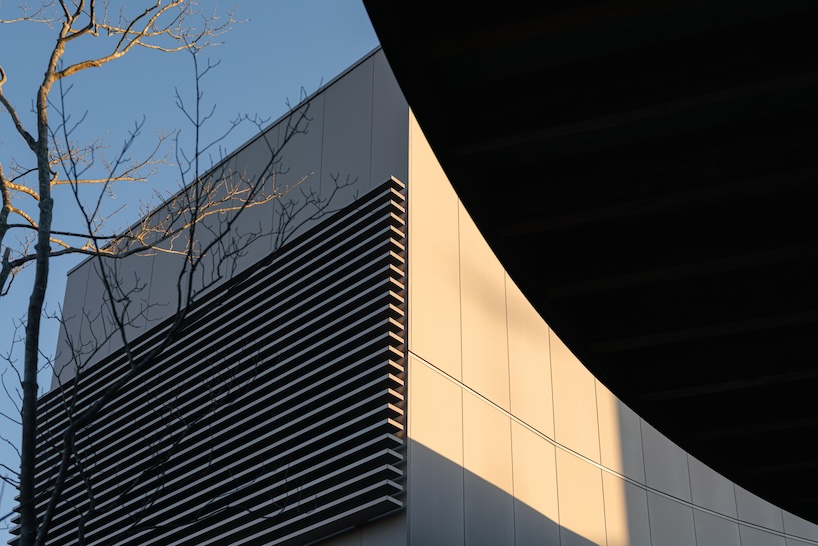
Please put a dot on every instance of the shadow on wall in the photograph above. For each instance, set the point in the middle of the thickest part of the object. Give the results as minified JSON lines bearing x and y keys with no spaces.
{"x":449,"y":505}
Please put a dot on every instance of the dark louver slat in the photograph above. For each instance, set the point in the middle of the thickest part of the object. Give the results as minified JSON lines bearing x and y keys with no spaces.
{"x":275,"y":416}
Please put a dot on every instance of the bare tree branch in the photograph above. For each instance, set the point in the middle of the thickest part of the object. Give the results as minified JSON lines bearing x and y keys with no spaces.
{"x":198,"y":225}
{"x":147,"y":30}
{"x":12,"y":112}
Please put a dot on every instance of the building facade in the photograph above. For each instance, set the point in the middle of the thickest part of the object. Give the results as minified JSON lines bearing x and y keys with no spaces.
{"x":374,"y":377}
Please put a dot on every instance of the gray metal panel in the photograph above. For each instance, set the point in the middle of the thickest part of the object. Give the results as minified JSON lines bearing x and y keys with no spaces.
{"x":436,"y":498}
{"x":350,"y":538}
{"x":750,"y":536}
{"x":757,"y":511}
{"x":390,"y":125}
{"x":626,"y":512}
{"x":241,"y":187}
{"x":75,"y":291}
{"x":796,"y":542}
{"x":134,"y":283}
{"x":711,"y":490}
{"x":389,"y":531}
{"x":715,"y":531}
{"x":280,"y":404}
{"x":165,"y":286}
{"x":665,"y":464}
{"x":346,"y":153}
{"x":99,"y":325}
{"x":620,"y":436}
{"x":258,"y":160}
{"x":671,"y":522}
{"x":793,"y":525}
{"x":301,"y":136}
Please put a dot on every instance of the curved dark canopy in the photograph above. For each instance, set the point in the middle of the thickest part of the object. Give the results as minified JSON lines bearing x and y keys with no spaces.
{"x":647,"y":173}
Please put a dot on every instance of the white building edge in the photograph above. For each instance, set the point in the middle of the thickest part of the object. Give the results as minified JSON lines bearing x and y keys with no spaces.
{"x":508,"y":439}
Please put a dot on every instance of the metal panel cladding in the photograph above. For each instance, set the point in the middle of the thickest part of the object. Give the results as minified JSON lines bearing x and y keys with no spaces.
{"x":276,"y":416}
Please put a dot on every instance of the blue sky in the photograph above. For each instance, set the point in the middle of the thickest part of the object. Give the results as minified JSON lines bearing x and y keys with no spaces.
{"x":281,"y":47}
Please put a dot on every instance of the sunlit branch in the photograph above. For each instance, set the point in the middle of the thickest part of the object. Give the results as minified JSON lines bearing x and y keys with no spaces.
{"x":148,"y":30}
{"x":31,"y":222}
{"x":33,"y":17}
{"x":100,"y":180}
{"x":23,"y":189}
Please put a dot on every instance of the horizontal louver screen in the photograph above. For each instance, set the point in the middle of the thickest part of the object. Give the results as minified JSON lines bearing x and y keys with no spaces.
{"x":275,"y":417}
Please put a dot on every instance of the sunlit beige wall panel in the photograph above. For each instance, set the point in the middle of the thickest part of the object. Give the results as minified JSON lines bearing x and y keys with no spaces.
{"x":529,"y":363}
{"x":671,"y":522}
{"x":581,"y":504}
{"x":488,"y":482}
{"x":483,"y":315}
{"x":711,"y":490}
{"x":626,"y":512}
{"x":751,"y":536}
{"x":536,"y":512}
{"x":390,"y":126}
{"x":712,"y":530}
{"x":620,"y":435}
{"x":435,"y":457}
{"x":666,"y":467}
{"x":575,"y":414}
{"x":434,"y":263}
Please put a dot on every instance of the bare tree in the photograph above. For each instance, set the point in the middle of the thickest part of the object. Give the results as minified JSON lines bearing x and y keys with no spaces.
{"x":197,"y":224}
